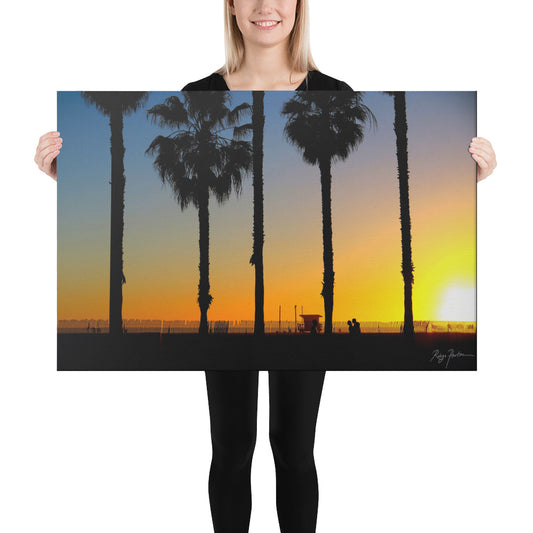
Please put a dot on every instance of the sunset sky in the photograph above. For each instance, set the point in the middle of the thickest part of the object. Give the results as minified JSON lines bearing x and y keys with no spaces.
{"x":161,"y":252}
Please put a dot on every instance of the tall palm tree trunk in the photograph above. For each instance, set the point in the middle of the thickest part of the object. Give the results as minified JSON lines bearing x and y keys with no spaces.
{"x":400,"y":128}
{"x":117,"y":222}
{"x":327,"y":236}
{"x":258,"y":121}
{"x":204,"y":298}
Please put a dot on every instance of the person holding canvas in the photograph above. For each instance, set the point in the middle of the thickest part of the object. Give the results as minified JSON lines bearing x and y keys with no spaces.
{"x":267,"y":48}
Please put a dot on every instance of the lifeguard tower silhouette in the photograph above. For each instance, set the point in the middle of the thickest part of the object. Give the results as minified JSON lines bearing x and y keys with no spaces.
{"x":308,"y":323}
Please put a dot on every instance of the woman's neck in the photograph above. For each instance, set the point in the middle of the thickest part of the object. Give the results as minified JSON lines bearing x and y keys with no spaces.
{"x":265,"y":69}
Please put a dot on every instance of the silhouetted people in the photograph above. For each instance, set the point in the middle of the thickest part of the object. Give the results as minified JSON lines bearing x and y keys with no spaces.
{"x":314,"y":327}
{"x":354,"y":328}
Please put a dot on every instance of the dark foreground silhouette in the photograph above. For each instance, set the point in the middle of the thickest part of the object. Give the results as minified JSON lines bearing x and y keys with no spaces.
{"x":153,"y":351}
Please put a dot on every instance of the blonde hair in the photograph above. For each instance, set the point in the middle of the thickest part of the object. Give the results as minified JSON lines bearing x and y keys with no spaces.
{"x":299,"y":44}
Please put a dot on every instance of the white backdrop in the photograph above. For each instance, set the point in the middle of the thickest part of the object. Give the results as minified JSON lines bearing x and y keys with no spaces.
{"x":395,"y":451}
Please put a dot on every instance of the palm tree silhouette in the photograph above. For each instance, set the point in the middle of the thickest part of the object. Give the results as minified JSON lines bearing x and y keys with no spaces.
{"x":326,"y":127}
{"x":258,"y":123}
{"x":400,"y":128}
{"x":196,"y":159}
{"x":116,"y":105}
{"x":257,"y":128}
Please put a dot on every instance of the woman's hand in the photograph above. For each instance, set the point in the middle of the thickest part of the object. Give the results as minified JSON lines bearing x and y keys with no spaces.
{"x":47,"y":151}
{"x":483,"y":154}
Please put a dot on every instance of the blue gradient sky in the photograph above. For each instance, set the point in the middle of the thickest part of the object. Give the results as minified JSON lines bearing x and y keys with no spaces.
{"x":161,"y":241}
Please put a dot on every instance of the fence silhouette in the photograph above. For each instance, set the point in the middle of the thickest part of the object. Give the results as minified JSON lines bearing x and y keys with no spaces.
{"x":247,"y":326}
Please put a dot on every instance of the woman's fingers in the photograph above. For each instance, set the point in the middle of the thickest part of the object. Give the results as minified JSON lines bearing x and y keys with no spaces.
{"x":483,"y":146}
{"x":49,"y":164}
{"x":52,"y":148}
{"x":41,"y":155}
{"x":49,"y":139}
{"x":482,"y":168}
{"x":47,"y":150}
{"x":480,"y":161}
{"x":47,"y":142}
{"x":48,"y":135}
{"x":47,"y":146}
{"x":483,"y":154}
{"x":480,"y":151}
{"x":481,"y":140}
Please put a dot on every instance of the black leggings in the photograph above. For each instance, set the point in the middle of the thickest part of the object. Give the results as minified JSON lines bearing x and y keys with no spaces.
{"x":294,"y":401}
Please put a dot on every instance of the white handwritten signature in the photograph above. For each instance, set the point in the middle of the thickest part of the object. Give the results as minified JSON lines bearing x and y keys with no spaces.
{"x":450,"y":355}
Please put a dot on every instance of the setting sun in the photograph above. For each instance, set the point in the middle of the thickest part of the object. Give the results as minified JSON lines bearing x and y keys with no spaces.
{"x":458,"y":302}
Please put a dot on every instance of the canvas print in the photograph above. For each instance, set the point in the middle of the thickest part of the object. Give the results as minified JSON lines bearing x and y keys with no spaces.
{"x":298,"y":230}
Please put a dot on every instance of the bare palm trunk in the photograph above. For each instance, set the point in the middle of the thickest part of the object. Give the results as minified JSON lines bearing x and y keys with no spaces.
{"x":400,"y":127}
{"x":258,"y":120}
{"x":204,"y":298}
{"x":327,"y":235}
{"x":117,"y":222}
